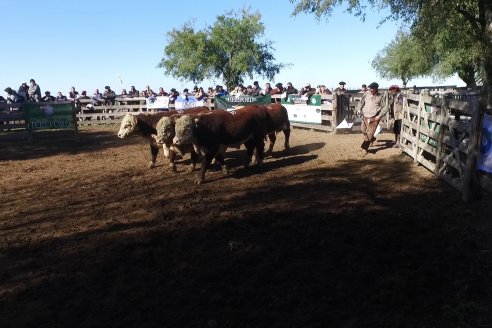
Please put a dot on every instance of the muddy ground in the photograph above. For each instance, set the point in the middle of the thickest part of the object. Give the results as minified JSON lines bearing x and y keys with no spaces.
{"x":321,"y":237}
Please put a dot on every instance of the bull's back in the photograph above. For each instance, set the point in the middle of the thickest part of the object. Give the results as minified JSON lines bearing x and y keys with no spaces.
{"x":279,"y":117}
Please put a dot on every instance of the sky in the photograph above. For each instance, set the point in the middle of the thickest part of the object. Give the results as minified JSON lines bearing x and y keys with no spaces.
{"x":89,"y":44}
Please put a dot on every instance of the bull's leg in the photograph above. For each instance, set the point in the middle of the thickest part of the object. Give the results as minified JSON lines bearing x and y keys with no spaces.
{"x":250,"y":147}
{"x":194,"y":157}
{"x":153,"y":153}
{"x":260,"y":148}
{"x":172,"y":160}
{"x":219,"y":158}
{"x":205,"y":163}
{"x":287,"y":137}
{"x":272,"y":136}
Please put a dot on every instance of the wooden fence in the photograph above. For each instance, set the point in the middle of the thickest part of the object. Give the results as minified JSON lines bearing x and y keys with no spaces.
{"x":441,"y":135}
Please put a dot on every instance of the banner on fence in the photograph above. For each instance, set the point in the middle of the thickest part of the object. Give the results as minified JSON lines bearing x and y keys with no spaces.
{"x":187,"y":102}
{"x":50,"y":115}
{"x":229,"y":102}
{"x":484,"y":162}
{"x":161,"y":102}
{"x":303,"y":109}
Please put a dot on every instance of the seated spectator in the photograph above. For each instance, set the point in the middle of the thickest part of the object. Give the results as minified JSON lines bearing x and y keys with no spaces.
{"x":323,"y":90}
{"x":23,"y":91}
{"x":60,"y":97}
{"x":133,"y":92}
{"x":47,"y":97}
{"x":162,"y":92}
{"x":13,"y":96}
{"x":97,"y":98}
{"x":341,"y":88}
{"x":83,"y":95}
{"x":109,"y":96}
{"x":34,"y":91}
{"x":237,"y":91}
{"x":173,"y":95}
{"x":307,"y":91}
{"x":267,"y":89}
{"x":279,"y":89}
{"x":256,"y":89}
{"x":200,"y":94}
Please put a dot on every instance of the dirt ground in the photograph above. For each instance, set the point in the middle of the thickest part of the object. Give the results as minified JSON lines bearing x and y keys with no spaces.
{"x":321,"y":237}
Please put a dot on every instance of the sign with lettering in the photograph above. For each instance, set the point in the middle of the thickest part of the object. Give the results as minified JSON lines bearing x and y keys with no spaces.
{"x":229,"y":102}
{"x":49,"y":115}
{"x":161,"y":102}
{"x":303,"y":113}
{"x":187,"y":102}
{"x":314,"y":100}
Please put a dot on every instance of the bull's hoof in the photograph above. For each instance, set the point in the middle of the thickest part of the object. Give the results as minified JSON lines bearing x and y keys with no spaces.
{"x":225,"y":170}
{"x":151,"y":165}
{"x":190,"y":169}
{"x":198,"y":181}
{"x":173,"y":168}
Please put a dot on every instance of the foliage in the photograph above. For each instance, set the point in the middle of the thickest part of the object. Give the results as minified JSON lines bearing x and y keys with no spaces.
{"x":455,"y":33}
{"x":402,"y":59}
{"x":229,"y":50}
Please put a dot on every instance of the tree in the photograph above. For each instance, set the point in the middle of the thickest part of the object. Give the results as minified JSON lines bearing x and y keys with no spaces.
{"x":402,"y":59}
{"x":229,"y":50}
{"x":430,"y":19}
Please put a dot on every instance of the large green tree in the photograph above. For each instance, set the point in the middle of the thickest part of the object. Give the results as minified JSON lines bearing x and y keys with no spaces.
{"x":231,"y":50}
{"x":402,"y":59}
{"x":428,"y":19}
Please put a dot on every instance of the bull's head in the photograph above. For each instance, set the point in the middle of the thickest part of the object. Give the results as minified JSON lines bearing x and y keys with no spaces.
{"x":128,"y":125}
{"x":165,"y":130}
{"x":184,"y":130}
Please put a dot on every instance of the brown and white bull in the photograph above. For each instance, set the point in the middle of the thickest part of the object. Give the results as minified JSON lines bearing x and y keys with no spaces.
{"x":166,"y":132}
{"x":280,"y":122}
{"x":143,"y":124}
{"x":213,"y":132}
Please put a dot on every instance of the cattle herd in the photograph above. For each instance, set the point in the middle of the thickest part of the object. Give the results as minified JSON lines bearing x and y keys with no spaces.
{"x":206,"y":134}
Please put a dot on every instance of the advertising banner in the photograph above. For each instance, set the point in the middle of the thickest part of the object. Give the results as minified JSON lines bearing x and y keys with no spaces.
{"x":49,"y":115}
{"x":229,"y":102}
{"x":187,"y":102}
{"x":161,"y":102}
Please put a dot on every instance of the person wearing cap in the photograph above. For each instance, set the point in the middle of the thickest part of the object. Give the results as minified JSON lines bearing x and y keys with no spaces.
{"x":341,"y":88}
{"x":47,"y":97}
{"x":307,"y":91}
{"x":290,"y":90}
{"x":34,"y":91}
{"x":109,"y":96}
{"x":278,"y":90}
{"x":396,"y":106}
{"x":372,"y":106}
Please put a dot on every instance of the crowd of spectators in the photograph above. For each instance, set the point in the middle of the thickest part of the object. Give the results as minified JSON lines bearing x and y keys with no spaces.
{"x":32,"y":93}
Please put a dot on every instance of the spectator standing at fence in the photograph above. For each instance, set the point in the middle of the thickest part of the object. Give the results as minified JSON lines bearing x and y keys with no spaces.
{"x":256,"y":91}
{"x":220,"y":91}
{"x":341,"y":88}
{"x":47,"y":97}
{"x":237,"y":91}
{"x":200,"y":94}
{"x":266,"y":90}
{"x":372,"y":106}
{"x":323,"y":90}
{"x":397,"y":109}
{"x":290,"y":90}
{"x":149,"y":91}
{"x":133,"y":92}
{"x":162,"y":92}
{"x":173,"y":95}
{"x":23,"y":90}
{"x":13,"y":96}
{"x":83,"y":95}
{"x":307,"y":91}
{"x":73,"y":94}
{"x":363,"y":89}
{"x":211,"y":92}
{"x":34,"y":91}
{"x":278,"y":90}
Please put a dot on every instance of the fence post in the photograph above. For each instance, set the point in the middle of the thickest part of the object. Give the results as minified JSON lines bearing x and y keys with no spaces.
{"x":470,"y":180}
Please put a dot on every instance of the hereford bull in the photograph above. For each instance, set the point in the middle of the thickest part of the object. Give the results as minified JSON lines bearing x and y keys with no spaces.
{"x":213,"y":132}
{"x":145,"y":125}
{"x":166,"y":132}
{"x":280,"y":122}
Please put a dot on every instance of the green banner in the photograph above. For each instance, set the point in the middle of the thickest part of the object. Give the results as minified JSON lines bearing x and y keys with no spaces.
{"x":49,"y":115}
{"x":314,"y":100}
{"x":228,"y":102}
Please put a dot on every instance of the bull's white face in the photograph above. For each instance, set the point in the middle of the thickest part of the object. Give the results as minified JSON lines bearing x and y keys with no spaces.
{"x":165,"y":130}
{"x":128,"y":126}
{"x":183,"y":130}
